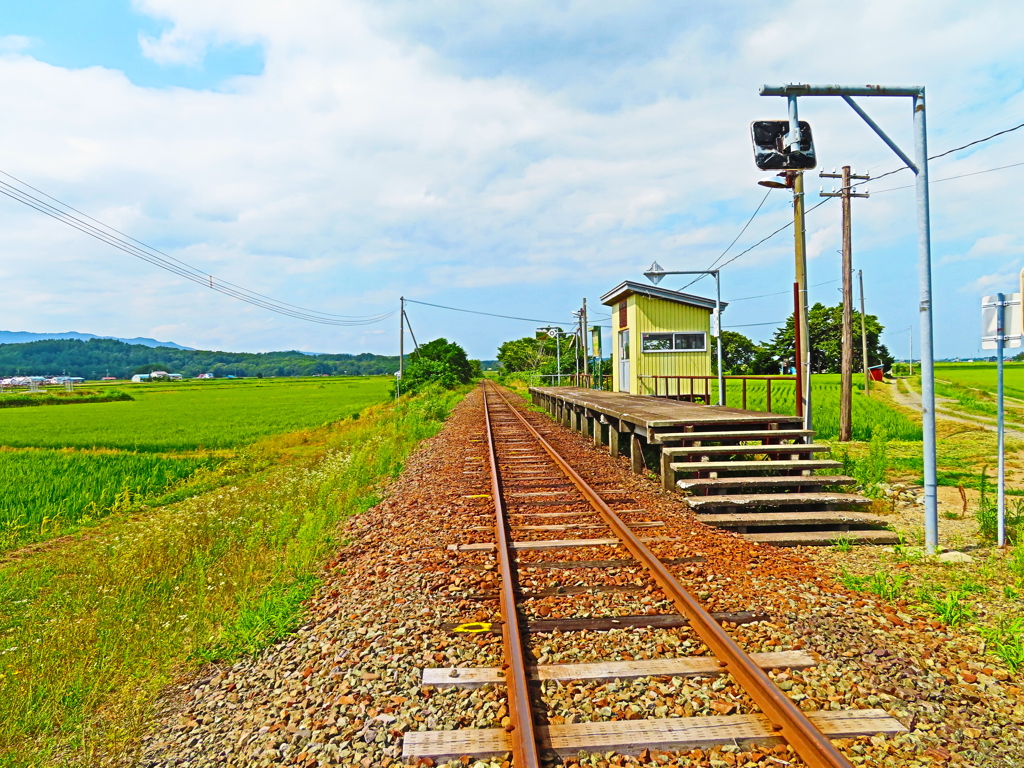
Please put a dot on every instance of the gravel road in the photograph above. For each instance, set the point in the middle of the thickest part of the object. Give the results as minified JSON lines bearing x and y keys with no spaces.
{"x":345,"y":688}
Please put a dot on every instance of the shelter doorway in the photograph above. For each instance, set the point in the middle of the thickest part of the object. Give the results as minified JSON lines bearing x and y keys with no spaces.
{"x":624,"y":360}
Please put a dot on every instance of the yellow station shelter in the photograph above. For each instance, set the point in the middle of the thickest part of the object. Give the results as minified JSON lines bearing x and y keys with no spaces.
{"x":658,"y":332}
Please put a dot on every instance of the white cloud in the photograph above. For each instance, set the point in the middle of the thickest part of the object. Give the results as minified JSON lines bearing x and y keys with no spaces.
{"x":523,"y":151}
{"x":14,"y":43}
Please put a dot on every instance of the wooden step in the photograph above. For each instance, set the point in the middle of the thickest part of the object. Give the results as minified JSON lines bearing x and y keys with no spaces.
{"x":777,"y":465}
{"x":822,"y":538}
{"x":686,"y":666}
{"x":714,"y":450}
{"x":630,"y":737}
{"x":824,"y":517}
{"x":699,"y":503}
{"x":758,"y":434}
{"x":778,"y":481}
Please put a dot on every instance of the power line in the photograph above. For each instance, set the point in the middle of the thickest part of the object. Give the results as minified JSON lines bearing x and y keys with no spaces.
{"x":491,"y":314}
{"x":140,"y":250}
{"x":751,"y":325}
{"x":950,"y":178}
{"x":951,"y":151}
{"x":778,"y":293}
{"x":722,"y":255}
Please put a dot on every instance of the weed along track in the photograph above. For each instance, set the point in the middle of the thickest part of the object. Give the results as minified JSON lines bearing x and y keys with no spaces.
{"x":509,"y":608}
{"x":542,"y":506}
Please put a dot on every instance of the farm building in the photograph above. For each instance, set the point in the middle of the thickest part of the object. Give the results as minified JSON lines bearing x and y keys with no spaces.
{"x":658,"y":332}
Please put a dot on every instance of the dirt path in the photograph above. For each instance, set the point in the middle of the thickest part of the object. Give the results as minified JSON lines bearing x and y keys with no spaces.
{"x":346,"y":687}
{"x":912,"y":400}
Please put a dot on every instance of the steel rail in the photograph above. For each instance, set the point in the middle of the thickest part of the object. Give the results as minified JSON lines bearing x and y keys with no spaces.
{"x":787,"y":720}
{"x":524,"y":739}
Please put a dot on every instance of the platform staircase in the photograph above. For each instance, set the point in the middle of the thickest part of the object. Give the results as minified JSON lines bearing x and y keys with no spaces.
{"x":770,"y":483}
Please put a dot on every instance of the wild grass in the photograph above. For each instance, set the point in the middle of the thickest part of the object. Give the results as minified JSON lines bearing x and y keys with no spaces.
{"x":881,"y":583}
{"x":987,"y":513}
{"x":46,"y":493}
{"x":191,"y":415}
{"x":92,"y":630}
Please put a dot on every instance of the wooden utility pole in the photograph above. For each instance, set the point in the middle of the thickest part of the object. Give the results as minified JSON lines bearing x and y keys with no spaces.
{"x":583,"y":338}
{"x":864,"y":335}
{"x":846,"y":369}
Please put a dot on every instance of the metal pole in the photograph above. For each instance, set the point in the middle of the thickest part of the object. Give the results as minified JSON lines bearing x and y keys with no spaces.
{"x":801,"y":278}
{"x":558,"y":355}
{"x":1001,"y":491}
{"x":864,"y":335}
{"x":924,"y":244}
{"x":911,"y":361}
{"x":797,"y":357}
{"x":718,"y":314}
{"x":401,"y":345}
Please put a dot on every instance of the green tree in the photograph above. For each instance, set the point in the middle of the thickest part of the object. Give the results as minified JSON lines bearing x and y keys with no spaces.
{"x":519,"y":354}
{"x":440,"y":362}
{"x":825,"y":326}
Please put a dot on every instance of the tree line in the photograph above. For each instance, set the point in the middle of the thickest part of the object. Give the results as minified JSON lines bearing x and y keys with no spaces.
{"x":95,"y":358}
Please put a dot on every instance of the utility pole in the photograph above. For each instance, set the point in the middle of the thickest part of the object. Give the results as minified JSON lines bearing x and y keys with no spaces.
{"x":401,"y":343}
{"x":846,"y":369}
{"x":911,"y":329}
{"x":583,"y":338}
{"x":800,"y":250}
{"x":864,"y":335}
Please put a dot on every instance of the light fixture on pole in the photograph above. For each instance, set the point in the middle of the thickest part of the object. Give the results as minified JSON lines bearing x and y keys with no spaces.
{"x":655,"y":273}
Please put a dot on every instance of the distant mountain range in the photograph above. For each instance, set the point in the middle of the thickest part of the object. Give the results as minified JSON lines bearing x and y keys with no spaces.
{"x":23,"y":337}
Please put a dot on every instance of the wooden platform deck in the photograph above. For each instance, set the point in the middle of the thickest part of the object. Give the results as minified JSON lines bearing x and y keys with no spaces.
{"x":765,"y":462}
{"x":652,"y":414}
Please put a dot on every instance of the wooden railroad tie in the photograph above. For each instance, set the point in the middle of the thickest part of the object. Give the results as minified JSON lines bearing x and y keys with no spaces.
{"x":488,"y":546}
{"x":630,"y":737}
{"x":687,"y":666}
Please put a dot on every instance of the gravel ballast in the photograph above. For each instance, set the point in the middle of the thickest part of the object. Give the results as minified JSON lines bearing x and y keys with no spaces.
{"x":346,"y":686}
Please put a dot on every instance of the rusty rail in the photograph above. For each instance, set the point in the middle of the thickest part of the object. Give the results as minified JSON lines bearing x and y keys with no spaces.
{"x":524,"y":740}
{"x":786,"y":718}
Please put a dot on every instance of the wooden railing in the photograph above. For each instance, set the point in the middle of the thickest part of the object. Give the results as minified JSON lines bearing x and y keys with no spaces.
{"x":694,"y":393}
{"x":584,"y":380}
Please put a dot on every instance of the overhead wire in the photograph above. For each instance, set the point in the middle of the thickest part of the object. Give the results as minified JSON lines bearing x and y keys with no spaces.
{"x":490,"y":314}
{"x":140,"y":250}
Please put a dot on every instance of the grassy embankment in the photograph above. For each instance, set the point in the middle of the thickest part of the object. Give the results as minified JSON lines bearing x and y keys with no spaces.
{"x":92,"y":630}
{"x":64,"y":467}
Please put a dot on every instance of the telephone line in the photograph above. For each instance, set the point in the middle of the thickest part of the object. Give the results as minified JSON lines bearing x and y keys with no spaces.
{"x":180,"y":268}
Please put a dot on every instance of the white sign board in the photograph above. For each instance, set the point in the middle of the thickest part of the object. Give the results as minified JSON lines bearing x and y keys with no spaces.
{"x":714,"y":323}
{"x":1013,"y":321}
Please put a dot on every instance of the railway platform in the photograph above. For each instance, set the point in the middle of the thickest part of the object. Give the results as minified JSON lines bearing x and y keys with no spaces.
{"x":755,"y":472}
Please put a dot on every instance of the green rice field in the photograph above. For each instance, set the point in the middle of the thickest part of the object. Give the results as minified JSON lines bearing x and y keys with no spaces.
{"x":64,"y":467}
{"x":983,"y":376}
{"x":192,"y":415}
{"x":42,"y":492}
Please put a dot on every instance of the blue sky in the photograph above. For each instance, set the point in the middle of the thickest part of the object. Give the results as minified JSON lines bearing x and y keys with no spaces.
{"x":512,"y":157}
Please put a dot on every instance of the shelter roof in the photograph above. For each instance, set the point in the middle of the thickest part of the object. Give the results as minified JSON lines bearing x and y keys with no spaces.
{"x":628,"y":288}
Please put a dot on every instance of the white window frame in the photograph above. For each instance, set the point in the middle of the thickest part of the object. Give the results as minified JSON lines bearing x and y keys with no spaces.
{"x":673,"y":334}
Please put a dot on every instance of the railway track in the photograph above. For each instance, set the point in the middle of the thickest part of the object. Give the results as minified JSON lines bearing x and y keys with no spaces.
{"x":541,"y":503}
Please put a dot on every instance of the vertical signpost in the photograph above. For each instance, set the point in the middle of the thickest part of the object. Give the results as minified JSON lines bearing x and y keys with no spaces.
{"x":999,"y":314}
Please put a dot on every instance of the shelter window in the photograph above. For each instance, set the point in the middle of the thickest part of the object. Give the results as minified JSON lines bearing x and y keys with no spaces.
{"x":675,"y":342}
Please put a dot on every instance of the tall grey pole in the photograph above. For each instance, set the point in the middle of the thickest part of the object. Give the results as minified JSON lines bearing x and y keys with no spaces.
{"x":924,"y":249}
{"x":864,"y":335}
{"x":718,"y":315}
{"x":1001,"y":490}
{"x":558,"y":354}
{"x":401,"y":344}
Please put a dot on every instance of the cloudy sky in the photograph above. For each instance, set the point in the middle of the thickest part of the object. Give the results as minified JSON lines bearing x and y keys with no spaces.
{"x":511,"y":157}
